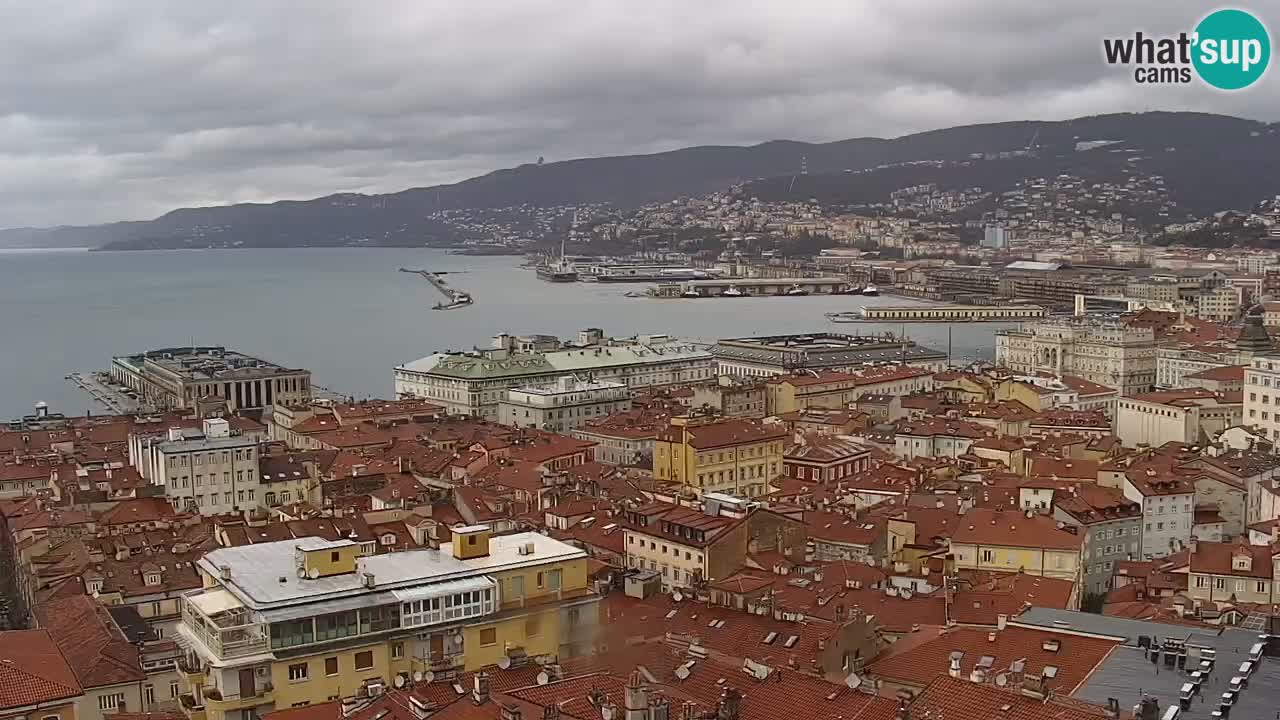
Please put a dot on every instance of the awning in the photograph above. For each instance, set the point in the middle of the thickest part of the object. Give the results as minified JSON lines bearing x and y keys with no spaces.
{"x":325,"y":607}
{"x":212,"y":602}
{"x":450,"y":587}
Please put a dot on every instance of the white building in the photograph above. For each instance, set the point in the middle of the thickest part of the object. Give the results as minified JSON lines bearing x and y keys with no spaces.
{"x":1194,"y":416}
{"x":1262,"y":396}
{"x":1168,"y":509}
{"x":1220,"y":304}
{"x":1105,"y":352}
{"x":210,"y":472}
{"x":475,"y":383}
{"x":564,"y":405}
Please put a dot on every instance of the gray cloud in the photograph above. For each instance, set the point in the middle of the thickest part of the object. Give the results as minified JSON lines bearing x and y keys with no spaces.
{"x":120,"y":110}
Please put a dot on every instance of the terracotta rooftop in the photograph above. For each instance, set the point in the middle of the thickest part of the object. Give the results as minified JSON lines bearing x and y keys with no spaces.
{"x":1220,"y":558}
{"x":98,"y":652}
{"x":1014,"y":529}
{"x":1072,"y":656}
{"x":33,"y":670}
{"x":726,"y":433}
{"x":958,"y":699}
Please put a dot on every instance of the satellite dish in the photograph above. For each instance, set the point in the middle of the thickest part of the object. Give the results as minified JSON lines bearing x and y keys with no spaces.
{"x":313,"y":573}
{"x":677,"y":596}
{"x":1002,"y":680}
{"x":543,"y":678}
{"x":504,"y":662}
{"x":302,"y":573}
{"x":399,"y":681}
{"x":870,"y":561}
{"x":853,"y":681}
{"x":417,"y":676}
{"x":682,"y":673}
{"x":906,"y":594}
{"x":606,"y":713}
{"x":428,"y":676}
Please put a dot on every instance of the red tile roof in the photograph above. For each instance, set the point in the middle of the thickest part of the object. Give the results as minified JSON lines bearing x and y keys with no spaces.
{"x":958,"y":699}
{"x":726,"y":433}
{"x":99,"y":653}
{"x":138,"y":510}
{"x":1218,"y":558}
{"x":1014,"y":529}
{"x":1074,"y":656}
{"x":33,"y":670}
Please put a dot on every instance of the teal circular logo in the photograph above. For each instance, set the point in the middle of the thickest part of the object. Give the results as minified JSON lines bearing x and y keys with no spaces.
{"x":1232,"y":49}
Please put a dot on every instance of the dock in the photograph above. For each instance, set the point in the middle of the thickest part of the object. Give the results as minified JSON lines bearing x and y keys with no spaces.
{"x":757,"y":287}
{"x":456,"y":298}
{"x":107,"y":395}
{"x":939,"y":313}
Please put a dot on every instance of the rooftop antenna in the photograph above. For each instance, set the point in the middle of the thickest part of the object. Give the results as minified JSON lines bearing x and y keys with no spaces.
{"x":949,"y":345}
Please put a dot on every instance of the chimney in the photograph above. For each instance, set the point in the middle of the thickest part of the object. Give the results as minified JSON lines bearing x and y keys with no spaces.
{"x":1193,"y":545}
{"x":904,"y":710}
{"x":730,"y":704}
{"x":1113,"y":709}
{"x":659,"y":708}
{"x":636,"y":699}
{"x":1148,"y":709}
{"x":953,"y":668}
{"x":1001,"y":621}
{"x":688,"y":711}
{"x":510,"y":711}
{"x":481,"y":691}
{"x":551,"y":712}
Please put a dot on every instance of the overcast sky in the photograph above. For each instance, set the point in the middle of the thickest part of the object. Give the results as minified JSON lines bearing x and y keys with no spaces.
{"x":124,"y":109}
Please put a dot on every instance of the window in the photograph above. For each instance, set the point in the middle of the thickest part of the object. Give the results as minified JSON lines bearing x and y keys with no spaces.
{"x":288,"y":634}
{"x":397,"y":650}
{"x":364,"y":660}
{"x":331,"y":666}
{"x":533,"y":626}
{"x":148,"y":695}
{"x":298,"y":672}
{"x":110,"y":702}
{"x":988,"y":556}
{"x":333,"y":556}
{"x":488,"y":636}
{"x":173,"y":689}
{"x":1220,"y":583}
{"x":336,"y":625}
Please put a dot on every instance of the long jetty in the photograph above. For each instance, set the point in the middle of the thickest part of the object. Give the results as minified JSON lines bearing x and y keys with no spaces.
{"x":456,"y":298}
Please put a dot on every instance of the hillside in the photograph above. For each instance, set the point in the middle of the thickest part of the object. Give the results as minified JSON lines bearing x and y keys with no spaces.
{"x":1219,"y":162}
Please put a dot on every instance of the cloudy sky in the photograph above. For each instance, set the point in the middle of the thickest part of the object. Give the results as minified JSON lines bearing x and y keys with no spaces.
{"x":124,"y":109}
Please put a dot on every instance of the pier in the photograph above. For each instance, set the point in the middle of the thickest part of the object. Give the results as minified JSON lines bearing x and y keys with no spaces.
{"x":110,"y":396}
{"x":456,"y":298}
{"x":940,"y":313}
{"x":757,"y":287}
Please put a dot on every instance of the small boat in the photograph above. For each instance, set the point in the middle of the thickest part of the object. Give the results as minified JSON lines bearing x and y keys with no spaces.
{"x":732,"y":291}
{"x":795,"y":291}
{"x":690,"y":293}
{"x":871,"y":290}
{"x":850,"y":290}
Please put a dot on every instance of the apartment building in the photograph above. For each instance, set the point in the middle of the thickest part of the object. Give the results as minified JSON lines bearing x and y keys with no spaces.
{"x":835,"y":390}
{"x":1112,"y":528}
{"x":564,"y":405}
{"x":304,"y":621}
{"x":688,"y":545}
{"x":824,"y":458}
{"x":771,"y":355}
{"x":1168,"y":509}
{"x":1262,"y":396}
{"x":1221,"y":304}
{"x":1194,"y":416}
{"x":210,"y":472}
{"x":476,"y":382}
{"x":1233,"y":572}
{"x":624,"y":438}
{"x":1016,"y":542}
{"x":1105,"y":352}
{"x":736,"y":456}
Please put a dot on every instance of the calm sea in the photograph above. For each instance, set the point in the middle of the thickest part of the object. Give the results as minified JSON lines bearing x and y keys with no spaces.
{"x":346,"y":314}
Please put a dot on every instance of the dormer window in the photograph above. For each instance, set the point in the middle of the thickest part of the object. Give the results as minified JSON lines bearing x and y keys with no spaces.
{"x":1242,"y":562}
{"x":390,"y":539}
{"x":152,"y":578}
{"x":93,"y":587}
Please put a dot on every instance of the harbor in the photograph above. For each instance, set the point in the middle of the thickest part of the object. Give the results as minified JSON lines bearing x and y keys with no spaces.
{"x":456,"y":298}
{"x":114,"y":397}
{"x":760,"y":287}
{"x":939,"y":313}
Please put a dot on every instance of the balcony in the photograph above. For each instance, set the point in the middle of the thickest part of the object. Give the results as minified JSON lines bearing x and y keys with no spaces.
{"x":219,"y":704}
{"x":222,"y":625}
{"x":192,"y":707}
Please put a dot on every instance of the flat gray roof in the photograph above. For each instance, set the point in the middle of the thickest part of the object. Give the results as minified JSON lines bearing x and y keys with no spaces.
{"x":1127,"y":673}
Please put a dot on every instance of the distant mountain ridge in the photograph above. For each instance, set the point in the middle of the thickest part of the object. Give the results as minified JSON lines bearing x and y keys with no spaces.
{"x":1219,"y":162}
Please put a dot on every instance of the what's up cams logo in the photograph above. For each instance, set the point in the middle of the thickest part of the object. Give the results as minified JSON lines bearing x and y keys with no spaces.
{"x":1228,"y":50}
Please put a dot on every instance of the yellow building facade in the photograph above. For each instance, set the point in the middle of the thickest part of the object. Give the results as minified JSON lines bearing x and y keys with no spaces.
{"x":738,"y":457}
{"x":288,"y":624}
